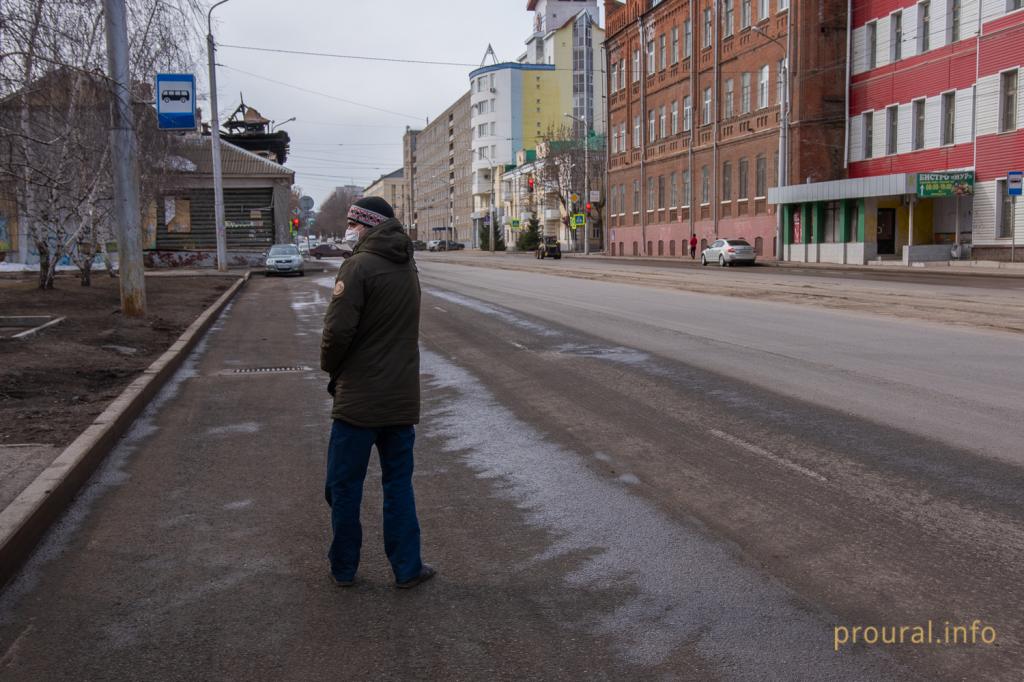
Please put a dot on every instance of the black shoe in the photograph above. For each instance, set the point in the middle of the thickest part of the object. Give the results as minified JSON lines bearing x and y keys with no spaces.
{"x":342,"y":583}
{"x":426,"y":573}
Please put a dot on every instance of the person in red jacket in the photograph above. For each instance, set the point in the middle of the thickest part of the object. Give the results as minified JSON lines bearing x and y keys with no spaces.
{"x":693,"y":246}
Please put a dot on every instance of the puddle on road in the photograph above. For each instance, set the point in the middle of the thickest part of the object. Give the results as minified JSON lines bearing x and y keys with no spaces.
{"x":687,"y":589}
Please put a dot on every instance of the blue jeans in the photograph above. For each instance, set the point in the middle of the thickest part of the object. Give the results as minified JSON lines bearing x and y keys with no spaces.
{"x":347,"y":458}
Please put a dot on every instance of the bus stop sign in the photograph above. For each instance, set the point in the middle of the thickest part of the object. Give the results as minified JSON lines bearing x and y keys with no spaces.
{"x":1015,"y":183}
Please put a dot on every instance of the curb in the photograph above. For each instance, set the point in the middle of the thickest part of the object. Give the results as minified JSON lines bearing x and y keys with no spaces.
{"x":25,"y":521}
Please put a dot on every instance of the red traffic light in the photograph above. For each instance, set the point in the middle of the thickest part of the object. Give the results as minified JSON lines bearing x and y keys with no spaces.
{"x":295,"y":223}
{"x":530,"y":182}
{"x":588,"y":206}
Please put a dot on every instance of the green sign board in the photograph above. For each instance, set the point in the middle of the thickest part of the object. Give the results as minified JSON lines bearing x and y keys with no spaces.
{"x":578,"y":220}
{"x":515,"y":223}
{"x":932,"y":185}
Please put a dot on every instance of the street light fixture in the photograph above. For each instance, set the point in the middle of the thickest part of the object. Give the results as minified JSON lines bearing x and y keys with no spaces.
{"x":586,"y":178}
{"x":218,"y":178}
{"x":783,"y":175}
{"x":287,"y":120}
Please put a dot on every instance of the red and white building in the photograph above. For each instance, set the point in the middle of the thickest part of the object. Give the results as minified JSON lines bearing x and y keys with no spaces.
{"x":934,"y":96}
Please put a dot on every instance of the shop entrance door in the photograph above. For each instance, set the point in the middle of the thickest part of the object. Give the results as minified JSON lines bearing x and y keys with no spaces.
{"x":887,"y":232}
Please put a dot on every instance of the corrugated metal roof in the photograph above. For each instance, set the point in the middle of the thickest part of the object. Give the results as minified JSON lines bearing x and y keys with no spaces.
{"x":876,"y":186}
{"x":235,"y":162}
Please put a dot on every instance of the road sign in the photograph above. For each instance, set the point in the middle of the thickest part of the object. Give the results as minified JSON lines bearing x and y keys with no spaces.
{"x":176,"y":101}
{"x":296,"y":211}
{"x":306,"y":203}
{"x":595,"y":196}
{"x":578,"y":220}
{"x":515,"y":223}
{"x":574,"y":197}
{"x":1015,"y":183}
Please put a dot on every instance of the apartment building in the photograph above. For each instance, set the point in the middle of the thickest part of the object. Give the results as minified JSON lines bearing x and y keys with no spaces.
{"x":935,"y":123}
{"x":696,"y":90}
{"x":441,"y":175}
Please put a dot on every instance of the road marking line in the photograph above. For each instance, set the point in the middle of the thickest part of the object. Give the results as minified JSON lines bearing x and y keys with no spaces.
{"x":437,"y":307}
{"x":769,"y":455}
{"x":519,"y":345}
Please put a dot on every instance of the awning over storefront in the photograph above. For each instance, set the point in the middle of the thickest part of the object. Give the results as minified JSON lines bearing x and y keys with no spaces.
{"x":857,"y":188}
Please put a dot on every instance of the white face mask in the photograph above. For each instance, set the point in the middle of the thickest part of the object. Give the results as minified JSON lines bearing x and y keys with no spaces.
{"x":351,"y":235}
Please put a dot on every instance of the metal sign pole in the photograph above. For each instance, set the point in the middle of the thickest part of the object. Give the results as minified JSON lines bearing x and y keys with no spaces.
{"x":1013,"y":228}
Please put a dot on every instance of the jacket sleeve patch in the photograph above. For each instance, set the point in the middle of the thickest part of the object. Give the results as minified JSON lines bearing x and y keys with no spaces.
{"x":339,"y":288}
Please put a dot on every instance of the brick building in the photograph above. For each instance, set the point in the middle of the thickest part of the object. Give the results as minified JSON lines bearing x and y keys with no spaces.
{"x":694,"y":95}
{"x":935,"y":124}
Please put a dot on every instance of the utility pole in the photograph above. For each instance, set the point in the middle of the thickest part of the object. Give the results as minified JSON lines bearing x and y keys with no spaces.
{"x":124,"y":164}
{"x":218,"y":179}
{"x":783,"y":176}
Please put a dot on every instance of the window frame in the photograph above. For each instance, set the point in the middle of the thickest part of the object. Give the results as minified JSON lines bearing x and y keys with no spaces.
{"x":867,"y":120}
{"x":918,"y":115}
{"x":947,"y":118}
{"x":896,"y":36}
{"x":892,"y":129}
{"x":1008,"y":113}
{"x":924,"y":23}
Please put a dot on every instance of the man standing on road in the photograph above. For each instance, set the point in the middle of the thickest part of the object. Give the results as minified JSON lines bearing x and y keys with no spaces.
{"x":693,"y":246}
{"x":370,"y":349}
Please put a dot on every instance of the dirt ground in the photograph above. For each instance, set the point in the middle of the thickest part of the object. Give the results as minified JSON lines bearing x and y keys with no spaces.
{"x":57,"y":382}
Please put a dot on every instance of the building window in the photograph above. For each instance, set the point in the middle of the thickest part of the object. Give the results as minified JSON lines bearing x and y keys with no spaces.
{"x":663,"y":122}
{"x":686,"y":188}
{"x":948,"y":117}
{"x":706,"y":111}
{"x":652,"y":131}
{"x":745,"y":94}
{"x":744,"y":184}
{"x":727,"y":181}
{"x":636,"y":131}
{"x":919,"y":124}
{"x":614,"y":87}
{"x":761,"y":177}
{"x":872,"y":43}
{"x":673,"y":196}
{"x":729,"y":97}
{"x":868,"y":119}
{"x":727,"y":17}
{"x":662,"y":52}
{"x":687,"y":39}
{"x":1004,"y":221}
{"x":783,"y":4}
{"x":675,"y":117}
{"x":762,"y":10}
{"x":924,"y":26}
{"x":622,"y":74}
{"x":636,"y":65}
{"x":1008,"y":101}
{"x":650,"y":57}
{"x":675,"y":44}
{"x":762,"y":87}
{"x":706,"y":43}
{"x":650,"y":193}
{"x":896,"y":39}
{"x":687,"y":113}
{"x":745,"y":9}
{"x":636,"y":196}
{"x":892,"y":126}
{"x":1014,"y":5}
{"x":954,"y":20}
{"x":705,"y":185}
{"x":661,"y":192}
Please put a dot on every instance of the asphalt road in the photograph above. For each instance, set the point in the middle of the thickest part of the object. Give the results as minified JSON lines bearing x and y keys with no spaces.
{"x":616,"y":482}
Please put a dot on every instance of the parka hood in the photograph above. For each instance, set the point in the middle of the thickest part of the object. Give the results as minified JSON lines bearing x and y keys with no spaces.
{"x":387,"y":240}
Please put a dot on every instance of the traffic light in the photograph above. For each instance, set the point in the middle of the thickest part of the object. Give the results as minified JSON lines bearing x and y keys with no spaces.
{"x":530,"y":183}
{"x":588,"y":207}
{"x":295,"y":224}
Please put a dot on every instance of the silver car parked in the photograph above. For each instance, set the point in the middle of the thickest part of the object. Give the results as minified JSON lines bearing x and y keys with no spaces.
{"x":728,"y":252}
{"x":284,"y":258}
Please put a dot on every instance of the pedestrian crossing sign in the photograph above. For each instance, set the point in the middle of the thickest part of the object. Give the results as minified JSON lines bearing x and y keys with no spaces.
{"x":578,"y":220}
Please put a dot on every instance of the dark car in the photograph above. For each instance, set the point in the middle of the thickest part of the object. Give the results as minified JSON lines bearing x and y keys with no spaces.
{"x":549,"y":248}
{"x":328,"y":251}
{"x":444,"y":245}
{"x":418,"y":245}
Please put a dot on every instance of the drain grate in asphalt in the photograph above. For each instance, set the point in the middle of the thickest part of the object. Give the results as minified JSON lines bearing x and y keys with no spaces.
{"x":268,"y":370}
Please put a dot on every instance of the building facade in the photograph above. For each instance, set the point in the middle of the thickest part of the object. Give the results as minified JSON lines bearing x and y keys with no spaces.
{"x":441,"y":177}
{"x":392,"y":188}
{"x":696,"y":90}
{"x":517,"y":104}
{"x":935,"y":123}
{"x":408,"y":162}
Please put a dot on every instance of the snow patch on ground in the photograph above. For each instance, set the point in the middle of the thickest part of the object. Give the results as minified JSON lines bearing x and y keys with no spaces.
{"x":683,"y":587}
{"x":493,"y":311}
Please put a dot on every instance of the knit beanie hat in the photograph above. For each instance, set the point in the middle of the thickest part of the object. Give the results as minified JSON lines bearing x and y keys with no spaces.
{"x":370,"y":211}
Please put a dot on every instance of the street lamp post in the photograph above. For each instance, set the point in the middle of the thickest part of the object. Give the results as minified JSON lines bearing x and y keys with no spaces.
{"x":287,"y":120}
{"x":218,"y":179}
{"x":586,"y":179}
{"x":783,"y":175}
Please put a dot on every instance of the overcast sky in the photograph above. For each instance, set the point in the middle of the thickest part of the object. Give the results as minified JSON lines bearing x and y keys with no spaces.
{"x":370,"y":141}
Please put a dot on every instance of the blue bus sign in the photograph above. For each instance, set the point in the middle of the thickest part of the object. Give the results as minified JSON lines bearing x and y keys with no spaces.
{"x":176,"y":101}
{"x":1015,"y":183}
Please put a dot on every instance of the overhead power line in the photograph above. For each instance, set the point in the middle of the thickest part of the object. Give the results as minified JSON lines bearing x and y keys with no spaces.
{"x":345,"y":56}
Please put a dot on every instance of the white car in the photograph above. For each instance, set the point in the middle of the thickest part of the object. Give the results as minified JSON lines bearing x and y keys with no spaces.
{"x":728,"y":252}
{"x":284,"y":259}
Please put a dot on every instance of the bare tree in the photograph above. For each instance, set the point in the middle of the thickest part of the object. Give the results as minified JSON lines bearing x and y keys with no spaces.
{"x":332,"y":214}
{"x":54,"y":116}
{"x":561,"y":162}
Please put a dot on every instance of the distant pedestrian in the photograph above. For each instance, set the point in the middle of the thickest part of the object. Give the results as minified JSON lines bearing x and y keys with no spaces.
{"x":693,"y":246}
{"x":370,"y":349}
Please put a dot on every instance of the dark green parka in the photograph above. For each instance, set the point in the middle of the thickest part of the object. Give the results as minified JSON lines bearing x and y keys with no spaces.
{"x":370,"y":345}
